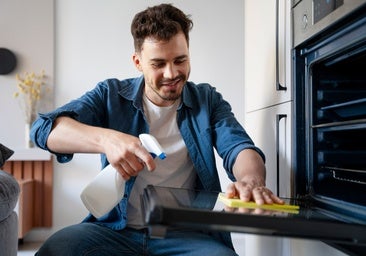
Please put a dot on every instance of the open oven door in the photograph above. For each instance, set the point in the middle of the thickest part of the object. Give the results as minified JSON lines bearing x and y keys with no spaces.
{"x":166,"y":208}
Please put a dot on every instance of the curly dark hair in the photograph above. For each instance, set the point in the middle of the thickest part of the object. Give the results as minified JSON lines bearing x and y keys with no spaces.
{"x":161,"y":22}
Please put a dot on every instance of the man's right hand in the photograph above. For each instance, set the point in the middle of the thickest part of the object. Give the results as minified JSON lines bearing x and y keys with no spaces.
{"x":126,"y":154}
{"x":123,"y":151}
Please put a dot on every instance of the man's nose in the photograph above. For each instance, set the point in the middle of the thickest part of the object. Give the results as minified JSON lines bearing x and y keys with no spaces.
{"x":170,"y":71}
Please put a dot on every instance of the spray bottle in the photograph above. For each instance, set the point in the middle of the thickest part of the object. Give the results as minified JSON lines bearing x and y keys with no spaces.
{"x":106,"y":190}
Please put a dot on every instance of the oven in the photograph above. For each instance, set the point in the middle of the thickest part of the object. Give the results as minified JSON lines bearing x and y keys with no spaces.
{"x":329,"y":79}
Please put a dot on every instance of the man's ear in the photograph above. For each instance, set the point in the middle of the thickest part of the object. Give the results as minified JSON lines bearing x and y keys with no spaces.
{"x":136,"y":61}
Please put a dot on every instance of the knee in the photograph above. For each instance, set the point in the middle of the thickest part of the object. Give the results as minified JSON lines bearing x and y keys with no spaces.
{"x":64,"y":242}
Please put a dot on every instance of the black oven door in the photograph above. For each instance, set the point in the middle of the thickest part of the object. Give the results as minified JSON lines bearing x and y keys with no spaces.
{"x":166,"y":208}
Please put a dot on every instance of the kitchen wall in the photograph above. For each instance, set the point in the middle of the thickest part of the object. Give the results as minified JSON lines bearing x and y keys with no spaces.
{"x":92,"y":42}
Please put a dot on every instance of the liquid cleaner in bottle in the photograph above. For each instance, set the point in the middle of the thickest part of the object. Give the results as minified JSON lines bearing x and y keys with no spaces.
{"x":106,"y":190}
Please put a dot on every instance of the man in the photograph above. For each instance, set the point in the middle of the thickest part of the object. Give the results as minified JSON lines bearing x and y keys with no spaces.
{"x":188,"y":120}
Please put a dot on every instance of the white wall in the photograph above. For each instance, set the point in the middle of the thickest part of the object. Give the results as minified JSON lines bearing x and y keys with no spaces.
{"x":93,"y":42}
{"x":27,"y":29}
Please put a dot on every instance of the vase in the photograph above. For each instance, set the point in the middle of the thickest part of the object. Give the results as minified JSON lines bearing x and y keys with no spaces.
{"x":28,"y":142}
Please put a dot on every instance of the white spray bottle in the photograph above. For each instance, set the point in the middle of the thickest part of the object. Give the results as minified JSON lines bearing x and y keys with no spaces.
{"x":106,"y":190}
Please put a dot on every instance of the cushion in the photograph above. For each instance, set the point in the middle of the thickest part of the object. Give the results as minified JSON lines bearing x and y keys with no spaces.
{"x":9,"y":193}
{"x":9,"y":235}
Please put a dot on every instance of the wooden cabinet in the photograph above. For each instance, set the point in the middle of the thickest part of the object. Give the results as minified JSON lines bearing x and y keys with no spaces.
{"x":25,"y":207}
{"x":34,"y":173}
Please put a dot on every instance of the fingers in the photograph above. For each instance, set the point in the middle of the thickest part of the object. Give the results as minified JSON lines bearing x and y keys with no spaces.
{"x":144,"y":157}
{"x":262,"y":195}
{"x":241,"y":190}
{"x":231,"y":191}
{"x":247,"y":192}
{"x":127,"y":170}
{"x":126,"y":154}
{"x":129,"y":167}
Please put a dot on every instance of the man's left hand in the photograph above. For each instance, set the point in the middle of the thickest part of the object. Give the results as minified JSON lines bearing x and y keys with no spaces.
{"x":252,"y":191}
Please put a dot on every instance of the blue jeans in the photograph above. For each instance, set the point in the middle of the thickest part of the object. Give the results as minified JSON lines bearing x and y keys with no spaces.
{"x":87,"y":239}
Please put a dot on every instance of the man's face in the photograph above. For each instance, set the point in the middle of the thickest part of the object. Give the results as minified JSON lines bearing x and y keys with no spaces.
{"x":165,"y":66}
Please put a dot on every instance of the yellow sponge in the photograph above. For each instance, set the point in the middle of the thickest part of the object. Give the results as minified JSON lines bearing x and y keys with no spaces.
{"x":238,"y":203}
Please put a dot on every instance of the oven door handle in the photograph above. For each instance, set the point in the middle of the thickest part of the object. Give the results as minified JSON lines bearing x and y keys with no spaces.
{"x":280,"y":45}
{"x":278,"y":119}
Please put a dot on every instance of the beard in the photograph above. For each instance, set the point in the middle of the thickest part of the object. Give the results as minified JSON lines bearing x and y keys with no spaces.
{"x":166,"y":92}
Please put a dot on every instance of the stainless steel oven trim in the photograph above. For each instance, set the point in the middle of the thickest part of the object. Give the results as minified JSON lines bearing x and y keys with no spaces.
{"x":302,"y":15}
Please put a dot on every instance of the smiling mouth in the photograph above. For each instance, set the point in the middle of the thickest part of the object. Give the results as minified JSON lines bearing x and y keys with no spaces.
{"x":171,"y":83}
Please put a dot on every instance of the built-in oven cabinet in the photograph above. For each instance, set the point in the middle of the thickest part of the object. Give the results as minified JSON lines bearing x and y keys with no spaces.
{"x":270,"y":129}
{"x":268,"y":84}
{"x":267,"y":44}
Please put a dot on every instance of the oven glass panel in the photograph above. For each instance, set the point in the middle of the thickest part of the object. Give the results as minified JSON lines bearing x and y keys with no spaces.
{"x":204,"y":209}
{"x":339,"y":127}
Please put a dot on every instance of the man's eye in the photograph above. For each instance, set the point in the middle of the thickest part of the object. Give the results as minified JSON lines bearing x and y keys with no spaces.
{"x":180,"y":61}
{"x":158,"y":65}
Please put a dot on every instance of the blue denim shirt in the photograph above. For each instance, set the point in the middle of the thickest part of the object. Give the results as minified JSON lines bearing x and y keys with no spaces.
{"x":204,"y":119}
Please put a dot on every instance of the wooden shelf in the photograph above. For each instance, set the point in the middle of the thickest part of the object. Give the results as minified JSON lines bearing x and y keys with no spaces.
{"x":30,"y":154}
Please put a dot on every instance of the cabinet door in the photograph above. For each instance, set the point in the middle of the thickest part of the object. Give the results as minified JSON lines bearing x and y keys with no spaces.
{"x":267,"y":53}
{"x":270,"y":129}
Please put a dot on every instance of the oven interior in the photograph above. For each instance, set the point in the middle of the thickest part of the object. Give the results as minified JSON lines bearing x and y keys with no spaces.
{"x":337,"y":128}
{"x":330,"y":114}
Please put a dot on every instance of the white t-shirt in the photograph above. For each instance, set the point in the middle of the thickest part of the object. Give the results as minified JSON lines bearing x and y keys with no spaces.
{"x":176,"y":170}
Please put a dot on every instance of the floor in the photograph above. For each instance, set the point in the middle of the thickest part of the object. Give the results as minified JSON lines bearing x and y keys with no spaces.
{"x":28,"y":248}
